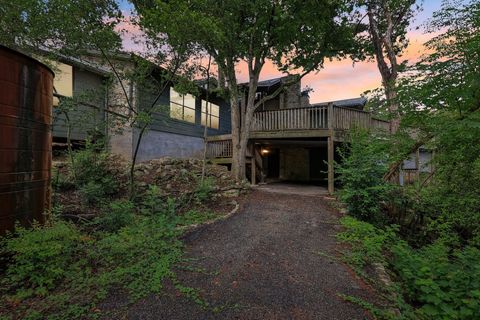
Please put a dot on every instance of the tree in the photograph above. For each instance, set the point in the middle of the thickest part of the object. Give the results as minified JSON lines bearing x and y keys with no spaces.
{"x":440,"y":98}
{"x":59,"y":25}
{"x":386,"y":39}
{"x":295,"y":35}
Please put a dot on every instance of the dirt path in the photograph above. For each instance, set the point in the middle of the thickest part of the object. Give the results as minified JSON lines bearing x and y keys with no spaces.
{"x":272,"y":260}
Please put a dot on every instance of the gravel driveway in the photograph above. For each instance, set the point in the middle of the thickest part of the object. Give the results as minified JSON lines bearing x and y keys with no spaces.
{"x":274,"y":259}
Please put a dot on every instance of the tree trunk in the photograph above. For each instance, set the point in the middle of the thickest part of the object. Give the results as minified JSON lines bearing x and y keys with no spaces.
{"x":237,"y":171}
{"x":391,"y":95}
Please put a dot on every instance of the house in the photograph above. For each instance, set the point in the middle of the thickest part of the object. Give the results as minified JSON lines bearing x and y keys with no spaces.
{"x":294,"y":140}
{"x":178,"y":121}
{"x":291,"y":139}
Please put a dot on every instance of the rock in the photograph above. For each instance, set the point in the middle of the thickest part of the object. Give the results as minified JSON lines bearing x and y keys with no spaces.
{"x":231,"y":193}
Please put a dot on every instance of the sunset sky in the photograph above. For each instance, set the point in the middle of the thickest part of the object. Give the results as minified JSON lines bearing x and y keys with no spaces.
{"x":342,"y":79}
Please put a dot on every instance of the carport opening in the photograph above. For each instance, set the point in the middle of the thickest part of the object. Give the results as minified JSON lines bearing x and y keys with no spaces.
{"x":299,"y":163}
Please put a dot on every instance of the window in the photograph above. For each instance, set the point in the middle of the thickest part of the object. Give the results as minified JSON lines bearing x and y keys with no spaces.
{"x":213,"y":118}
{"x":182,"y":107}
{"x":63,"y":81}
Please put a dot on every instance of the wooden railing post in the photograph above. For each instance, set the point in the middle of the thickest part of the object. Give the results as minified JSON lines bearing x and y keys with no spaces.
{"x":330,"y":148}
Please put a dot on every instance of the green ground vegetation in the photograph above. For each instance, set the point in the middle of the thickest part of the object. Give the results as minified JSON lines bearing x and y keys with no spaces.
{"x":63,"y":269}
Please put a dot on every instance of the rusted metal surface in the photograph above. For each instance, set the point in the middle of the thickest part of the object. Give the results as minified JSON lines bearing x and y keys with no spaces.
{"x":26,"y":88}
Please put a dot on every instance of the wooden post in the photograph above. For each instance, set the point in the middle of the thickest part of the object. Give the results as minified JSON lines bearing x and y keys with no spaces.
{"x":253,"y":165}
{"x":330,"y":150}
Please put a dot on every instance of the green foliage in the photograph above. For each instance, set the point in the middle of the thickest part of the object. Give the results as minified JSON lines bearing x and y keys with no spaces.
{"x":116,"y":215}
{"x":91,"y":193}
{"x":364,"y":161}
{"x":152,"y":202}
{"x":140,"y":256}
{"x":444,"y":283}
{"x":59,"y":25}
{"x":204,"y":189}
{"x":367,"y":242}
{"x":60,"y":181}
{"x":93,"y":174}
{"x":40,"y":257}
{"x":195,"y":217}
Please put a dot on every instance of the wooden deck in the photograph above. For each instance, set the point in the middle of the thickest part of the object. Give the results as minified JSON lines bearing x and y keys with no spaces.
{"x":331,"y":122}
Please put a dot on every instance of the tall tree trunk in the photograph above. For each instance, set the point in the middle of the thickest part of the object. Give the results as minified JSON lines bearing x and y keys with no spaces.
{"x":391,"y":95}
{"x":238,"y":166}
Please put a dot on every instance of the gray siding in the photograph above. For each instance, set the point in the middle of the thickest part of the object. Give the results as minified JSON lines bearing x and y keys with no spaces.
{"x":163,"y":122}
{"x":85,"y":117}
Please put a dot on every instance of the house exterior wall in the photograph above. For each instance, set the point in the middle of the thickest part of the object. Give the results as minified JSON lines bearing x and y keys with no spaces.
{"x":156,"y":144}
{"x":84,"y":118}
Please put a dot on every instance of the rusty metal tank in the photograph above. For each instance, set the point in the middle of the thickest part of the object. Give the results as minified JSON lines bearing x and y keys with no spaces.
{"x":26,"y":88}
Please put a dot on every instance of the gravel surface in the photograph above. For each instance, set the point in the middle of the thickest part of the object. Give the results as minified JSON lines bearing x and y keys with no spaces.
{"x":275,"y":259}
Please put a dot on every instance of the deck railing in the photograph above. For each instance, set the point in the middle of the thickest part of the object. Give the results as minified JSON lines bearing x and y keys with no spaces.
{"x":311,"y":118}
{"x":219,"y":149}
{"x":290,"y":119}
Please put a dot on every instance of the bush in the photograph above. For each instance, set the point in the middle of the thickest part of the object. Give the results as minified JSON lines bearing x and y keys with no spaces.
{"x":41,"y":257}
{"x":141,"y":255}
{"x":91,"y":193}
{"x":364,"y":161}
{"x":445,"y":284}
{"x":368,"y":242}
{"x":204,"y":189}
{"x":60,"y":181}
{"x":117,"y":215}
{"x":92,"y":174}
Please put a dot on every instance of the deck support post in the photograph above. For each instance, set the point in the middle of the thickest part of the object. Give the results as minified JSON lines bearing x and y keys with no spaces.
{"x":330,"y":147}
{"x":253,"y":163}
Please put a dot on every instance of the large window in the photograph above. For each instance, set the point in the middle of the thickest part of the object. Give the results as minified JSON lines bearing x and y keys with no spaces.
{"x":182,"y":107}
{"x":212,"y":118}
{"x":63,"y":81}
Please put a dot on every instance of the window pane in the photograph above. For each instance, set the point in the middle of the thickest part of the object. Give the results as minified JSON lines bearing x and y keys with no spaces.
{"x":176,"y":111}
{"x":214,"y":110}
{"x":189,"y":101}
{"x":175,"y":96}
{"x":63,"y":81}
{"x":204,"y":118}
{"x":189,"y":115}
{"x":214,"y":123}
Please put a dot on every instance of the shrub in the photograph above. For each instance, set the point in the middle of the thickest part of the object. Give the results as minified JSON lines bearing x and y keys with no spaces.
{"x":151,"y":201}
{"x":93,"y":175}
{"x":117,"y":215}
{"x":368,"y":242}
{"x":91,"y":193}
{"x":60,"y":181}
{"x":41,"y":257}
{"x":445,"y":284}
{"x":141,"y":255}
{"x":204,"y":189}
{"x":364,"y":161}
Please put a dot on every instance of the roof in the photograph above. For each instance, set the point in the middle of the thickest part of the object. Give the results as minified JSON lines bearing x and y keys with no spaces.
{"x":347,"y":103}
{"x":266,"y":83}
{"x":86,"y":65}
